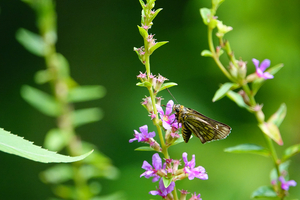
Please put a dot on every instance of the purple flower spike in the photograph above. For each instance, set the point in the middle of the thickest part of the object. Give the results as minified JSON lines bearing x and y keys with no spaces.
{"x":286,"y":184}
{"x":144,"y":136}
{"x":191,"y":170}
{"x":152,"y":171}
{"x":261,"y":68}
{"x":162,"y":191}
{"x":167,"y":117}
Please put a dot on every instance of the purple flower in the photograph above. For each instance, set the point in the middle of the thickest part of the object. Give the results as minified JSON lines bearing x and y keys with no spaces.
{"x":261,"y":68}
{"x":144,"y":136}
{"x":152,"y":171}
{"x":167,"y":118}
{"x":162,"y":191}
{"x":195,"y":197}
{"x":286,"y":184}
{"x":191,"y":170}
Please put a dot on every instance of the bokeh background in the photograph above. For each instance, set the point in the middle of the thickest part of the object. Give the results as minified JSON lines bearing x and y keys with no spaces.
{"x":97,"y":38}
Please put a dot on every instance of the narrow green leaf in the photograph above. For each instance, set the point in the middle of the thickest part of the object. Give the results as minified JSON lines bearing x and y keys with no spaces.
{"x":248,"y":148}
{"x":86,"y":93}
{"x":87,"y":115}
{"x":272,"y":131}
{"x":155,"y":14}
{"x":167,"y":181}
{"x":41,"y":101}
{"x":143,"y":32}
{"x":237,"y":98}
{"x":144,"y":84}
{"x":57,"y":174}
{"x":157,"y":45}
{"x":179,"y":140}
{"x":256,"y":84}
{"x":16,"y":145}
{"x":206,"y":53}
{"x":264,"y":192}
{"x":221,"y":92}
{"x":167,"y":85}
{"x":144,"y":148}
{"x":278,"y":116}
{"x":43,"y":76}
{"x":273,"y":70}
{"x":205,"y":14}
{"x":31,"y":41}
{"x":142,"y":3}
{"x":291,"y":151}
{"x":55,"y":140}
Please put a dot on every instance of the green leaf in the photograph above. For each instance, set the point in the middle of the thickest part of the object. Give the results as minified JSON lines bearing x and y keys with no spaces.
{"x":264,"y":192}
{"x":179,"y":140}
{"x":155,"y":14}
{"x":272,"y":131}
{"x":86,"y":93}
{"x":167,"y":85}
{"x":256,"y":84}
{"x":143,"y":32}
{"x":142,"y":3}
{"x":206,"y":53}
{"x":221,"y":92}
{"x":273,"y":70}
{"x":31,"y":41}
{"x":57,"y":174}
{"x":167,"y":181}
{"x":283,"y":169}
{"x":144,"y":84}
{"x":16,"y":145}
{"x":237,"y":98}
{"x":87,"y":115}
{"x":41,"y":101}
{"x":157,"y":45}
{"x":291,"y":151}
{"x":43,"y":76}
{"x":55,"y":140}
{"x":144,"y":148}
{"x":278,"y":116}
{"x":248,"y":148}
{"x":205,"y":14}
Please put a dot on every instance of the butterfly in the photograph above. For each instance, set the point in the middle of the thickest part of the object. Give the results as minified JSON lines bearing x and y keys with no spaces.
{"x":203,"y":127}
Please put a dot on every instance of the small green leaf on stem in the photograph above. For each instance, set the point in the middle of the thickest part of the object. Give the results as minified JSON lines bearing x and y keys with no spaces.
{"x":205,"y":14}
{"x":86,"y":115}
{"x":167,"y":85}
{"x":43,"y":76}
{"x":143,"y":32}
{"x":155,"y":14}
{"x":41,"y":101}
{"x":263,"y":192}
{"x":272,"y":131}
{"x":279,"y":115}
{"x":221,"y":92}
{"x":86,"y":93}
{"x":237,"y":98}
{"x":144,"y":148}
{"x":144,"y":84}
{"x":167,"y":181}
{"x":31,"y":41}
{"x":273,"y":70}
{"x":157,"y":45}
{"x":56,"y":140}
{"x":206,"y":53}
{"x":291,"y":151}
{"x":248,"y":148}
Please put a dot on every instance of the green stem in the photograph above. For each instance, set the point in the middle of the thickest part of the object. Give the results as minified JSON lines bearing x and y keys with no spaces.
{"x":215,"y":56}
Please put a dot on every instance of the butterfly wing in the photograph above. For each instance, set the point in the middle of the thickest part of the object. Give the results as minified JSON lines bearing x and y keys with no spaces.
{"x":203,"y":127}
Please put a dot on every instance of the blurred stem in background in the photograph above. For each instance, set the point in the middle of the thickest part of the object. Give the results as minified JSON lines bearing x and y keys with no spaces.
{"x":65,"y":92}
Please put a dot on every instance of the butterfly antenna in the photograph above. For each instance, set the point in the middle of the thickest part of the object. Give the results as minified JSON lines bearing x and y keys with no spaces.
{"x":171,"y":94}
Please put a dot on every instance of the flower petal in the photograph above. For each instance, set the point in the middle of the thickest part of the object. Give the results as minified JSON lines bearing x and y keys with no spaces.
{"x":169,"y":107}
{"x":265,"y":64}
{"x":256,"y":63}
{"x":144,"y":129}
{"x":156,"y":161}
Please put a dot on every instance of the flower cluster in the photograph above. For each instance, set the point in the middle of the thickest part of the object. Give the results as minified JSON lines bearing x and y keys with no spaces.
{"x":169,"y":170}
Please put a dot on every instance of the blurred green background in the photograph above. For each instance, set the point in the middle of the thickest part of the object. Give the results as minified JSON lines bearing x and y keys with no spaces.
{"x":97,"y":38}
